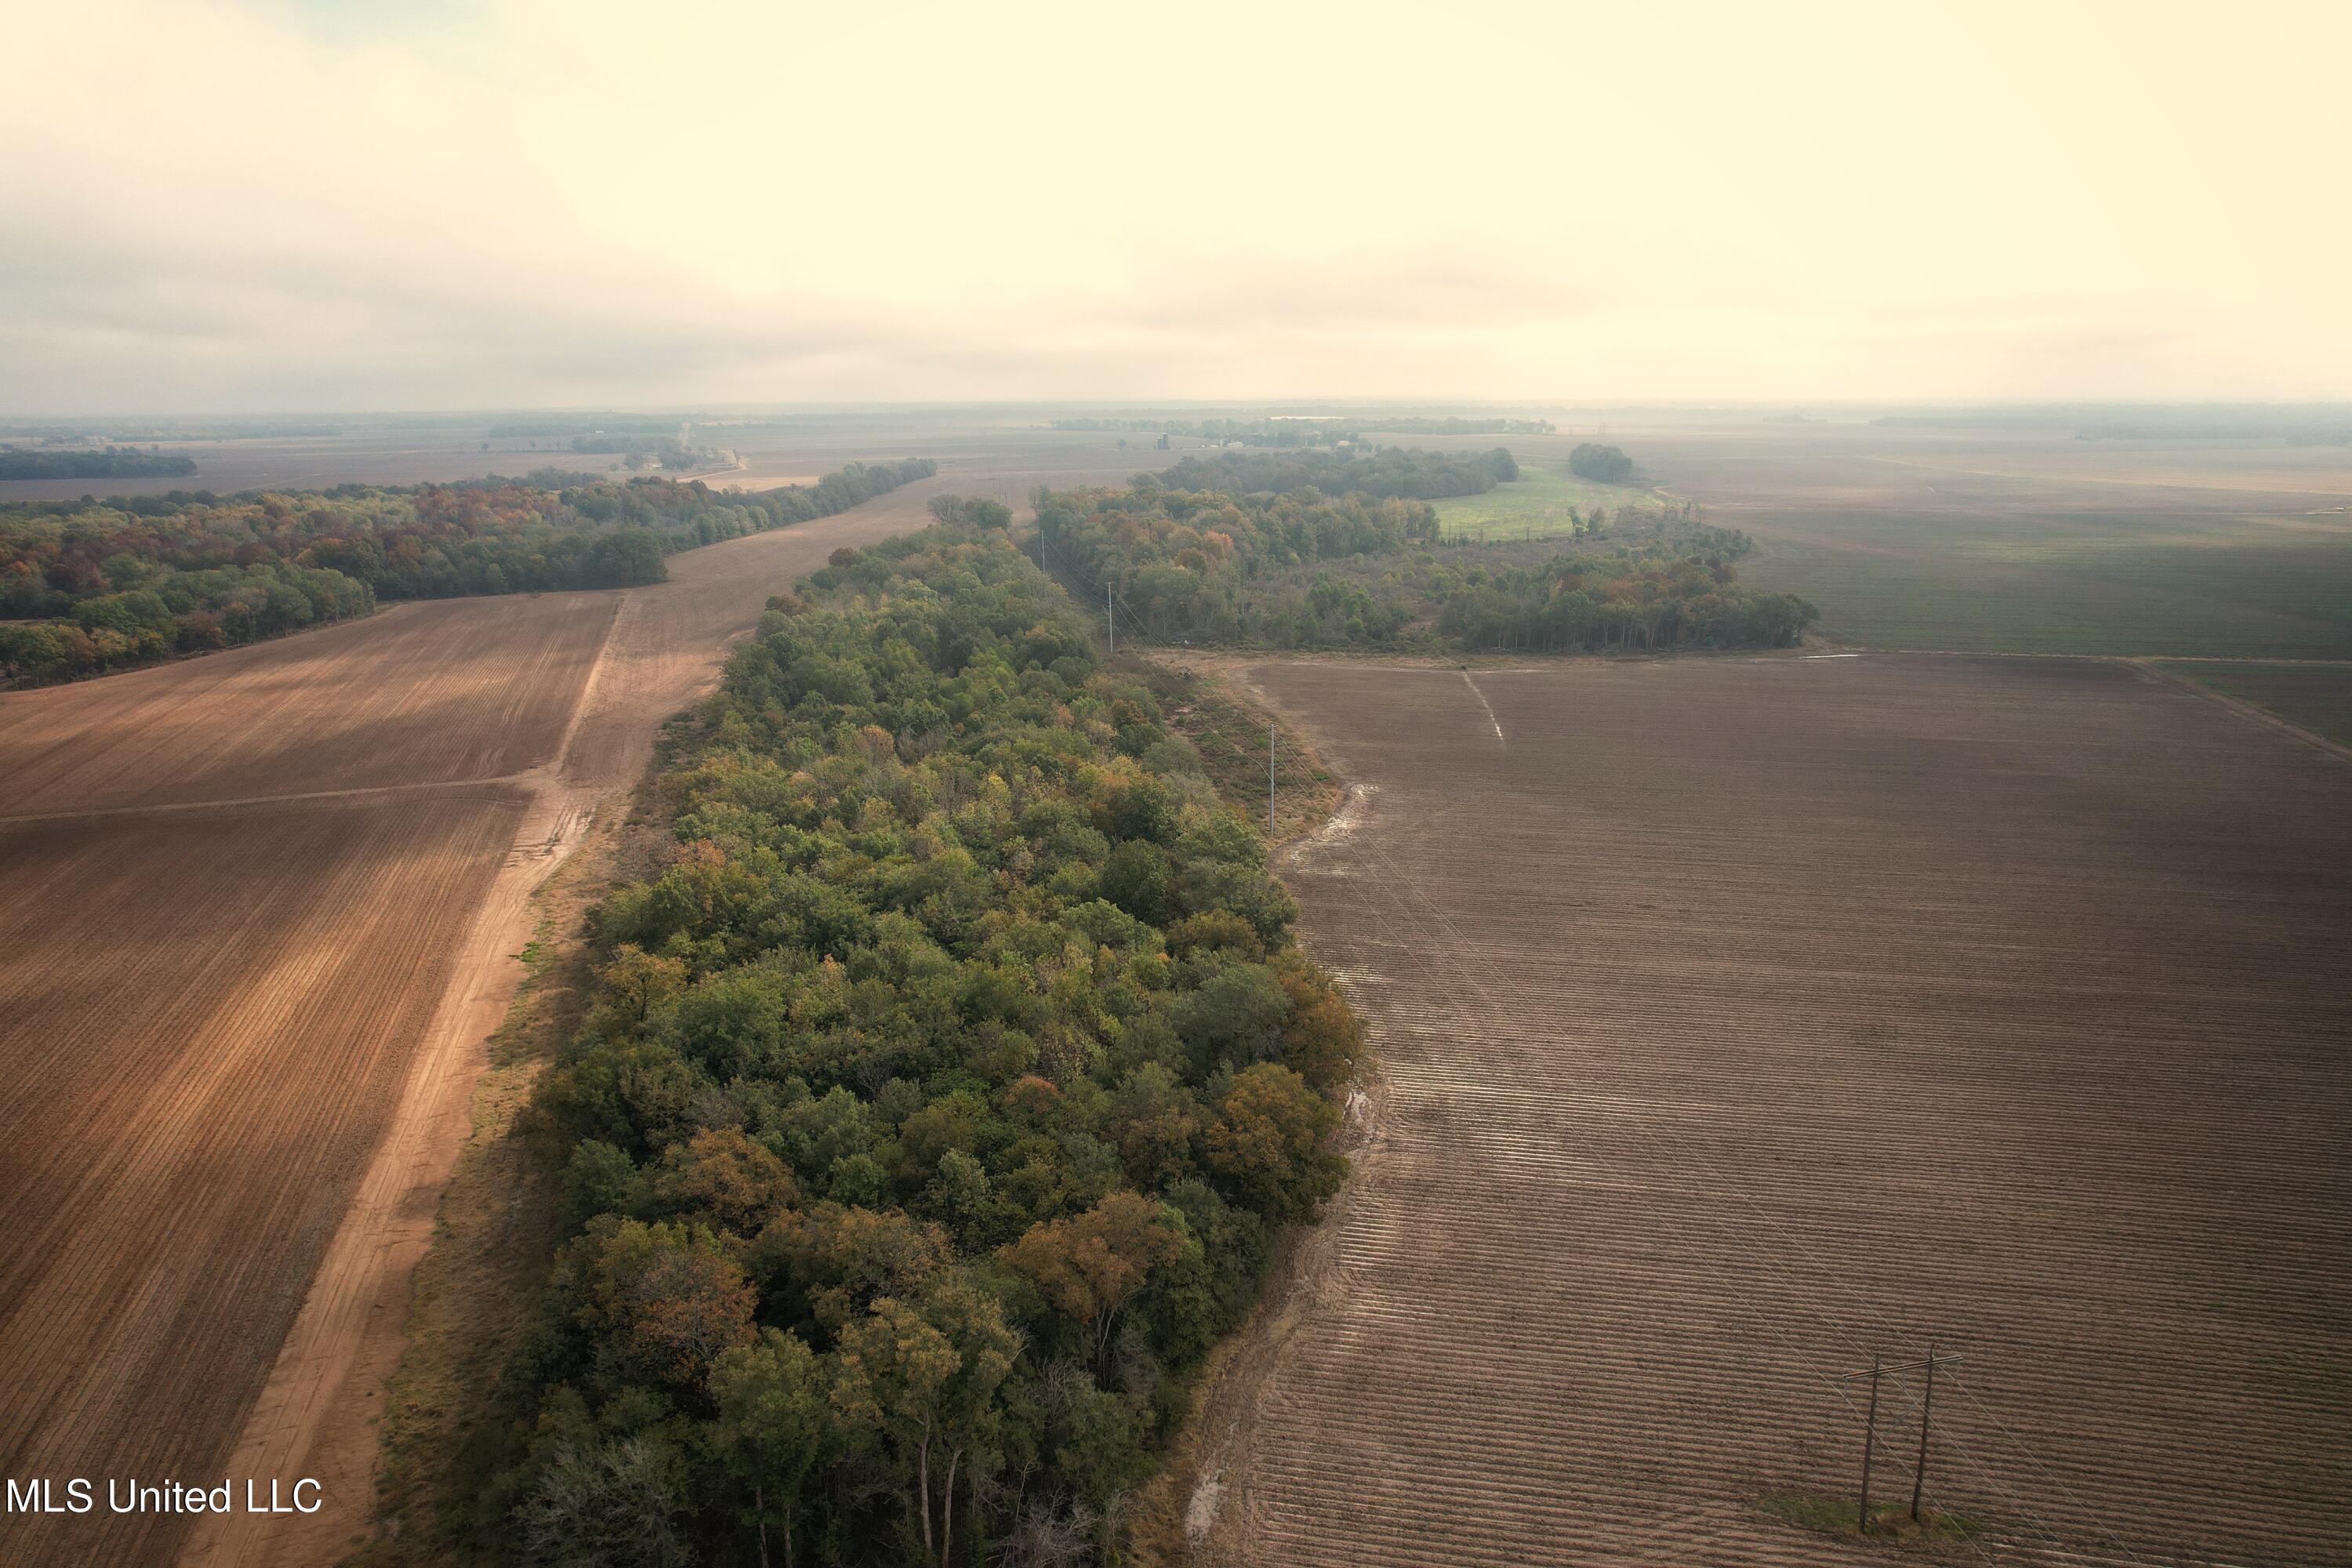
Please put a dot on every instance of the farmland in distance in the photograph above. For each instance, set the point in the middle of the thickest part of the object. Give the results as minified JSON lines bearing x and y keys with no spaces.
{"x":1990,"y":541}
{"x":2314,"y":696}
{"x":2013,"y":544}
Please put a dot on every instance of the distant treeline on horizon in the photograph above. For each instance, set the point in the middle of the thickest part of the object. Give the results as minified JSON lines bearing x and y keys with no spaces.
{"x":73,"y":463}
{"x":613,"y":427}
{"x":1310,"y":430}
{"x":54,"y":431}
{"x":1410,"y":473}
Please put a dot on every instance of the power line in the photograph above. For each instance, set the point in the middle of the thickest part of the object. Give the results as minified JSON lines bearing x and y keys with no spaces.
{"x":1089,"y":582}
{"x":1878,"y":1368}
{"x":1723,"y":1188}
{"x":1444,"y":979}
{"x":1719,"y":1187}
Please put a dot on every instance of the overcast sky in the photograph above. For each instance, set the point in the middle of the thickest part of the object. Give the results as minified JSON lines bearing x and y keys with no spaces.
{"x":349,"y":206}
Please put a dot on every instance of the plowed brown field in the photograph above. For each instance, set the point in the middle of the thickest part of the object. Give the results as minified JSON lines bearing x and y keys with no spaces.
{"x":255,"y":922}
{"x":1744,"y":1019}
{"x":431,"y":693}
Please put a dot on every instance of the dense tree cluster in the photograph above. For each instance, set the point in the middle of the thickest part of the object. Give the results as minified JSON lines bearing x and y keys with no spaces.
{"x":1605,"y":599}
{"x":107,"y":566}
{"x":551,"y":531}
{"x":1410,"y":473}
{"x":1308,"y":570}
{"x":1601,"y":464}
{"x":972,"y":512}
{"x":499,"y":537}
{"x":113,"y":463}
{"x":933,"y":1110}
{"x":150,"y":613}
{"x":1208,"y":565}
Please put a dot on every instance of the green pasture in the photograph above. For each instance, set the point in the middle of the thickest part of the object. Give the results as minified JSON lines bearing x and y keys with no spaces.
{"x":1533,"y":506}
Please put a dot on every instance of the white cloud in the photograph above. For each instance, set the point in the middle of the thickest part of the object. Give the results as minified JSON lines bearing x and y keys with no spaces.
{"x":284,"y":205}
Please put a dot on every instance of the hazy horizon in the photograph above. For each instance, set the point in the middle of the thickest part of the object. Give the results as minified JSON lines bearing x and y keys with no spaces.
{"x":516,"y":206}
{"x":1828,"y":410}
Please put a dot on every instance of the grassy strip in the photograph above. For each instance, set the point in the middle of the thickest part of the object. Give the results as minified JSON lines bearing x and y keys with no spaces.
{"x":477,"y":1289}
{"x":1891,"y":1524}
{"x":1229,"y":732}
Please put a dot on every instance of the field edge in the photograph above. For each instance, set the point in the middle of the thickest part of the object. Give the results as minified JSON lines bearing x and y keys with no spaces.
{"x":472,"y":1294}
{"x":1185,"y":1488}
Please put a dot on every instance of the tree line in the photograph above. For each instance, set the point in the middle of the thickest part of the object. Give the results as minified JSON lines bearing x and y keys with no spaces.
{"x":668,"y":451}
{"x":126,"y":431}
{"x":934,"y":1111}
{"x":587,"y":426}
{"x":141,"y":578}
{"x":1312,"y":430}
{"x":1623,"y":600}
{"x":160,"y":611}
{"x":1190,"y":564}
{"x":1394,"y":425}
{"x":1406,"y":472}
{"x":1248,"y":432}
{"x":1307,"y":569}
{"x":113,"y":463}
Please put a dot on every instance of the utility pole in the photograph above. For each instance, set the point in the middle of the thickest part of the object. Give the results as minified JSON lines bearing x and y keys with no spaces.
{"x":1269,"y":778}
{"x":1869,"y":1438}
{"x":1870,"y":1427}
{"x":1111,"y":620}
{"x":1926,"y":1406}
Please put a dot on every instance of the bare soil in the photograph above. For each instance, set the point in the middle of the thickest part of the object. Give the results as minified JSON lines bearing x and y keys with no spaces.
{"x":1742,"y":1019}
{"x":262,"y":912}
